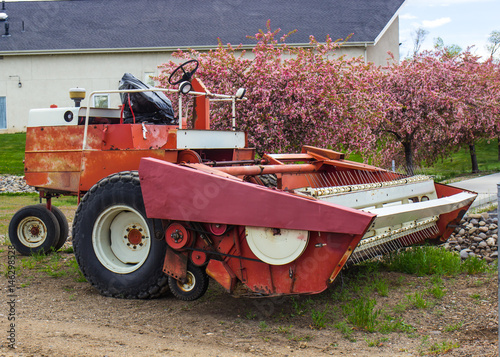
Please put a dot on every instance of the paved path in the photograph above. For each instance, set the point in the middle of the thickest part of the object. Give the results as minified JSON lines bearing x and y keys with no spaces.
{"x":485,"y":186}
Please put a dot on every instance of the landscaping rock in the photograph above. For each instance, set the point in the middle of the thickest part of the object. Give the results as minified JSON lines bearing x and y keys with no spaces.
{"x":477,"y":235}
{"x":10,"y":183}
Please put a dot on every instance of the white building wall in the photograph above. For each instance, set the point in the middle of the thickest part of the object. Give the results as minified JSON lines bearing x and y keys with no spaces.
{"x":389,"y":41}
{"x":46,"y":79}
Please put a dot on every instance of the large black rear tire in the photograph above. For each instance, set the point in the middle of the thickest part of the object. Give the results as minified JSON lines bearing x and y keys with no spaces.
{"x":114,"y":241}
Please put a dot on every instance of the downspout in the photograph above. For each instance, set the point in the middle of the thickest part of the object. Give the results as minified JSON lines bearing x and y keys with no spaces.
{"x":366,"y":59}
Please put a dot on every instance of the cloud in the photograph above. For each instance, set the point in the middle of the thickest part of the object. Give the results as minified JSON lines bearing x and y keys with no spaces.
{"x":407,"y":16}
{"x":445,"y":2}
{"x":436,"y":23}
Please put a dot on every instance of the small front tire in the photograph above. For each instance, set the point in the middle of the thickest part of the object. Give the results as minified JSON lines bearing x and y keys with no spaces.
{"x":63,"y":226}
{"x":34,"y":230}
{"x":195,"y":286}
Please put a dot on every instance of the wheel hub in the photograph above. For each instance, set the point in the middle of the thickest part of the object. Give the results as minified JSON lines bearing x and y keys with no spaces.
{"x":135,"y":236}
{"x":188,"y":284}
{"x":35,"y":230}
{"x":32,"y":232}
{"x":121,"y":239}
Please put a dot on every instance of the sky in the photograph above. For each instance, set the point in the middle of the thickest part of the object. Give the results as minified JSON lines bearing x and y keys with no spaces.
{"x":458,"y":22}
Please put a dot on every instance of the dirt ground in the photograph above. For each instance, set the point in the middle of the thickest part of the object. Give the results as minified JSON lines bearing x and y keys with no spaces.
{"x":57,"y":314}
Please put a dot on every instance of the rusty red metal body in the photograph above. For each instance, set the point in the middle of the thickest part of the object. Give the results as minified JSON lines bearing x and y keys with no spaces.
{"x":284,"y":224}
{"x":232,"y":197}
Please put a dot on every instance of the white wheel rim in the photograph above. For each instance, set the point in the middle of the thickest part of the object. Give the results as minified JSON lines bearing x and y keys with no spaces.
{"x":121,"y":239}
{"x":276,"y":247}
{"x":32,"y":232}
{"x":190,"y":282}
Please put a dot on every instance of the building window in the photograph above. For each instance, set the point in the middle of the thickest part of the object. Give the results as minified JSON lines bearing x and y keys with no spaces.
{"x":148,"y":78}
{"x":101,"y":101}
{"x":3,"y":113}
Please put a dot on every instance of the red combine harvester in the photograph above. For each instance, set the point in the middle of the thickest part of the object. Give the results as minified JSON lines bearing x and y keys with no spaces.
{"x":201,"y":205}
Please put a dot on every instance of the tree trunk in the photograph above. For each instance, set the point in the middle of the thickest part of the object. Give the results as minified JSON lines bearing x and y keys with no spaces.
{"x":499,"y":148}
{"x":473,"y":158}
{"x":408,"y":158}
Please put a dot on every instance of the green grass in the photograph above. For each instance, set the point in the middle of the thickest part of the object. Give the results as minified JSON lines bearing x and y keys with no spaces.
{"x":431,"y":260}
{"x":458,"y":163}
{"x":12,"y":153}
{"x":362,"y":313}
{"x":426,"y":260}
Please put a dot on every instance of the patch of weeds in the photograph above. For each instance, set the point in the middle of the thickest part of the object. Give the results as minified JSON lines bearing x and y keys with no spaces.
{"x":382,"y":287}
{"x":28,"y":263}
{"x":75,"y":271}
{"x":341,"y":295}
{"x":418,"y":301}
{"x":362,"y":314}
{"x":426,"y":260}
{"x":68,"y":250}
{"x":319,"y":318}
{"x":72,"y":297}
{"x":400,"y":307}
{"x":479,"y":283}
{"x":438,"y":348}
{"x":284,"y":330}
{"x":391,"y":324}
{"x":54,"y":270}
{"x":345,"y":330}
{"x":476,"y":296}
{"x":301,"y":307}
{"x":399,"y":281}
{"x":437,"y":291}
{"x":378,"y":342}
{"x":250,"y":315}
{"x":474,"y":265}
{"x":263,"y":326}
{"x":454,"y":327}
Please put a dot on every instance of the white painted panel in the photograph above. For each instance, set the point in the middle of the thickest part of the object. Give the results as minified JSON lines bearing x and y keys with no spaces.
{"x":52,"y":117}
{"x":391,"y":216}
{"x":210,"y":139}
{"x":378,"y":196}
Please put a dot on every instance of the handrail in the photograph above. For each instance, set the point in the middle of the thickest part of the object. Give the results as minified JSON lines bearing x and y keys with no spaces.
{"x":224,"y":97}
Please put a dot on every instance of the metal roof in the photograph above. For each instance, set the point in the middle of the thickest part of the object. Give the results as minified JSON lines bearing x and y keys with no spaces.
{"x":93,"y":25}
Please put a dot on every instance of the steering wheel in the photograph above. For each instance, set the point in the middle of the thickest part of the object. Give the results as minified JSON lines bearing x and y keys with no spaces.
{"x":186,"y":74}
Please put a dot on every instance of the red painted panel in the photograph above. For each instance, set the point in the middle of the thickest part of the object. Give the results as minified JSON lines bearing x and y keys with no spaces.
{"x":191,"y":195}
{"x":99,"y":164}
{"x":308,"y":274}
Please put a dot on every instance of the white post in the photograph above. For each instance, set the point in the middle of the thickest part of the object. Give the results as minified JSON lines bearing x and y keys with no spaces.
{"x":393,"y":166}
{"x":180,"y":110}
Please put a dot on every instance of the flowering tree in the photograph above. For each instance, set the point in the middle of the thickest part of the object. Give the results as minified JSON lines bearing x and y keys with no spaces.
{"x":478,"y":93}
{"x":296,"y":95}
{"x":441,"y":102}
{"x":419,"y":121}
{"x":420,"y":109}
